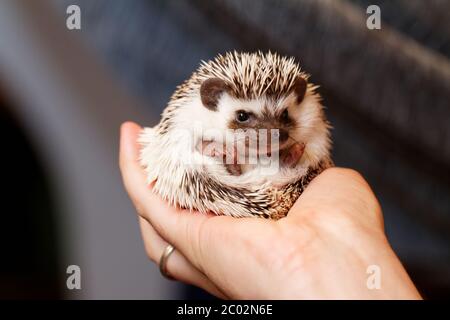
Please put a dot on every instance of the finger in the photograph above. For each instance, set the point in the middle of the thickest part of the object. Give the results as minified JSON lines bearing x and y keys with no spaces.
{"x":133,"y":178}
{"x":178,"y":227}
{"x":177,"y":266}
{"x":338,"y":190}
{"x":212,"y":244}
{"x":148,"y":205}
{"x":136,"y":186}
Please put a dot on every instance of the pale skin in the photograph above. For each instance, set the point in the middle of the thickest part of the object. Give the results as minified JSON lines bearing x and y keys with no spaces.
{"x":321,"y":250}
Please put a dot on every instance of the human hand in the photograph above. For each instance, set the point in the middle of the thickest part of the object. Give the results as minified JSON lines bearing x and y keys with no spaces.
{"x":321,"y":250}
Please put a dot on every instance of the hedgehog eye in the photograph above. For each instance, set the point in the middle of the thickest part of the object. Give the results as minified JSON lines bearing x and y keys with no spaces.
{"x":242,"y":116}
{"x":285,"y":115}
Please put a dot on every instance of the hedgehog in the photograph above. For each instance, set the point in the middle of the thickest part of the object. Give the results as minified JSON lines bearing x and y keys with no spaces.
{"x":243,"y":137}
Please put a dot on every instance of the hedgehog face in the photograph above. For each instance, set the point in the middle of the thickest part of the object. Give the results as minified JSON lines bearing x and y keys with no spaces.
{"x":295,"y":119}
{"x":247,"y":93}
{"x":262,"y":113}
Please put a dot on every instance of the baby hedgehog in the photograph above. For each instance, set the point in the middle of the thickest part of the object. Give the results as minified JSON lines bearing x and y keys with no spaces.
{"x":243,"y":136}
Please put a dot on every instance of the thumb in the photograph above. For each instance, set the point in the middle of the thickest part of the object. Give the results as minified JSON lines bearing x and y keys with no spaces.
{"x":338,"y":191}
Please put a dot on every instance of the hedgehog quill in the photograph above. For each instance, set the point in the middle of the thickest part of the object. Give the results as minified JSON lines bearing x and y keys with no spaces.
{"x":243,"y":137}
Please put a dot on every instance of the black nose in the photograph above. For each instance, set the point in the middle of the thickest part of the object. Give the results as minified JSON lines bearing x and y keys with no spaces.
{"x":283,"y":135}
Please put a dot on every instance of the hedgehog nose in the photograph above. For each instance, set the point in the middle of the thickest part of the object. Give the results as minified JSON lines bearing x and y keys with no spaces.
{"x":283,"y":135}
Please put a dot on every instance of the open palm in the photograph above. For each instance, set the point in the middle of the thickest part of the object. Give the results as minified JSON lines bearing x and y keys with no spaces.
{"x":322,"y":249}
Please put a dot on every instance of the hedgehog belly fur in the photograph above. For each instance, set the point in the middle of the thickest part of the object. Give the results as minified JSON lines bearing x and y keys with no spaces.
{"x":188,"y":188}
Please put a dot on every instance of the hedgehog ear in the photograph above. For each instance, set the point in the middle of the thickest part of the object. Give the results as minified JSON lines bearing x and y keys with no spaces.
{"x":210,"y":92}
{"x":299,"y":88}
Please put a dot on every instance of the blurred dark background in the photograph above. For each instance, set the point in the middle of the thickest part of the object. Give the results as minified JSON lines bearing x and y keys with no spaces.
{"x":64,"y":93}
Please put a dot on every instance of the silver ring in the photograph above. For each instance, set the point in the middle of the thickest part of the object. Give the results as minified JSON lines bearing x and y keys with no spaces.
{"x":163,"y":261}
